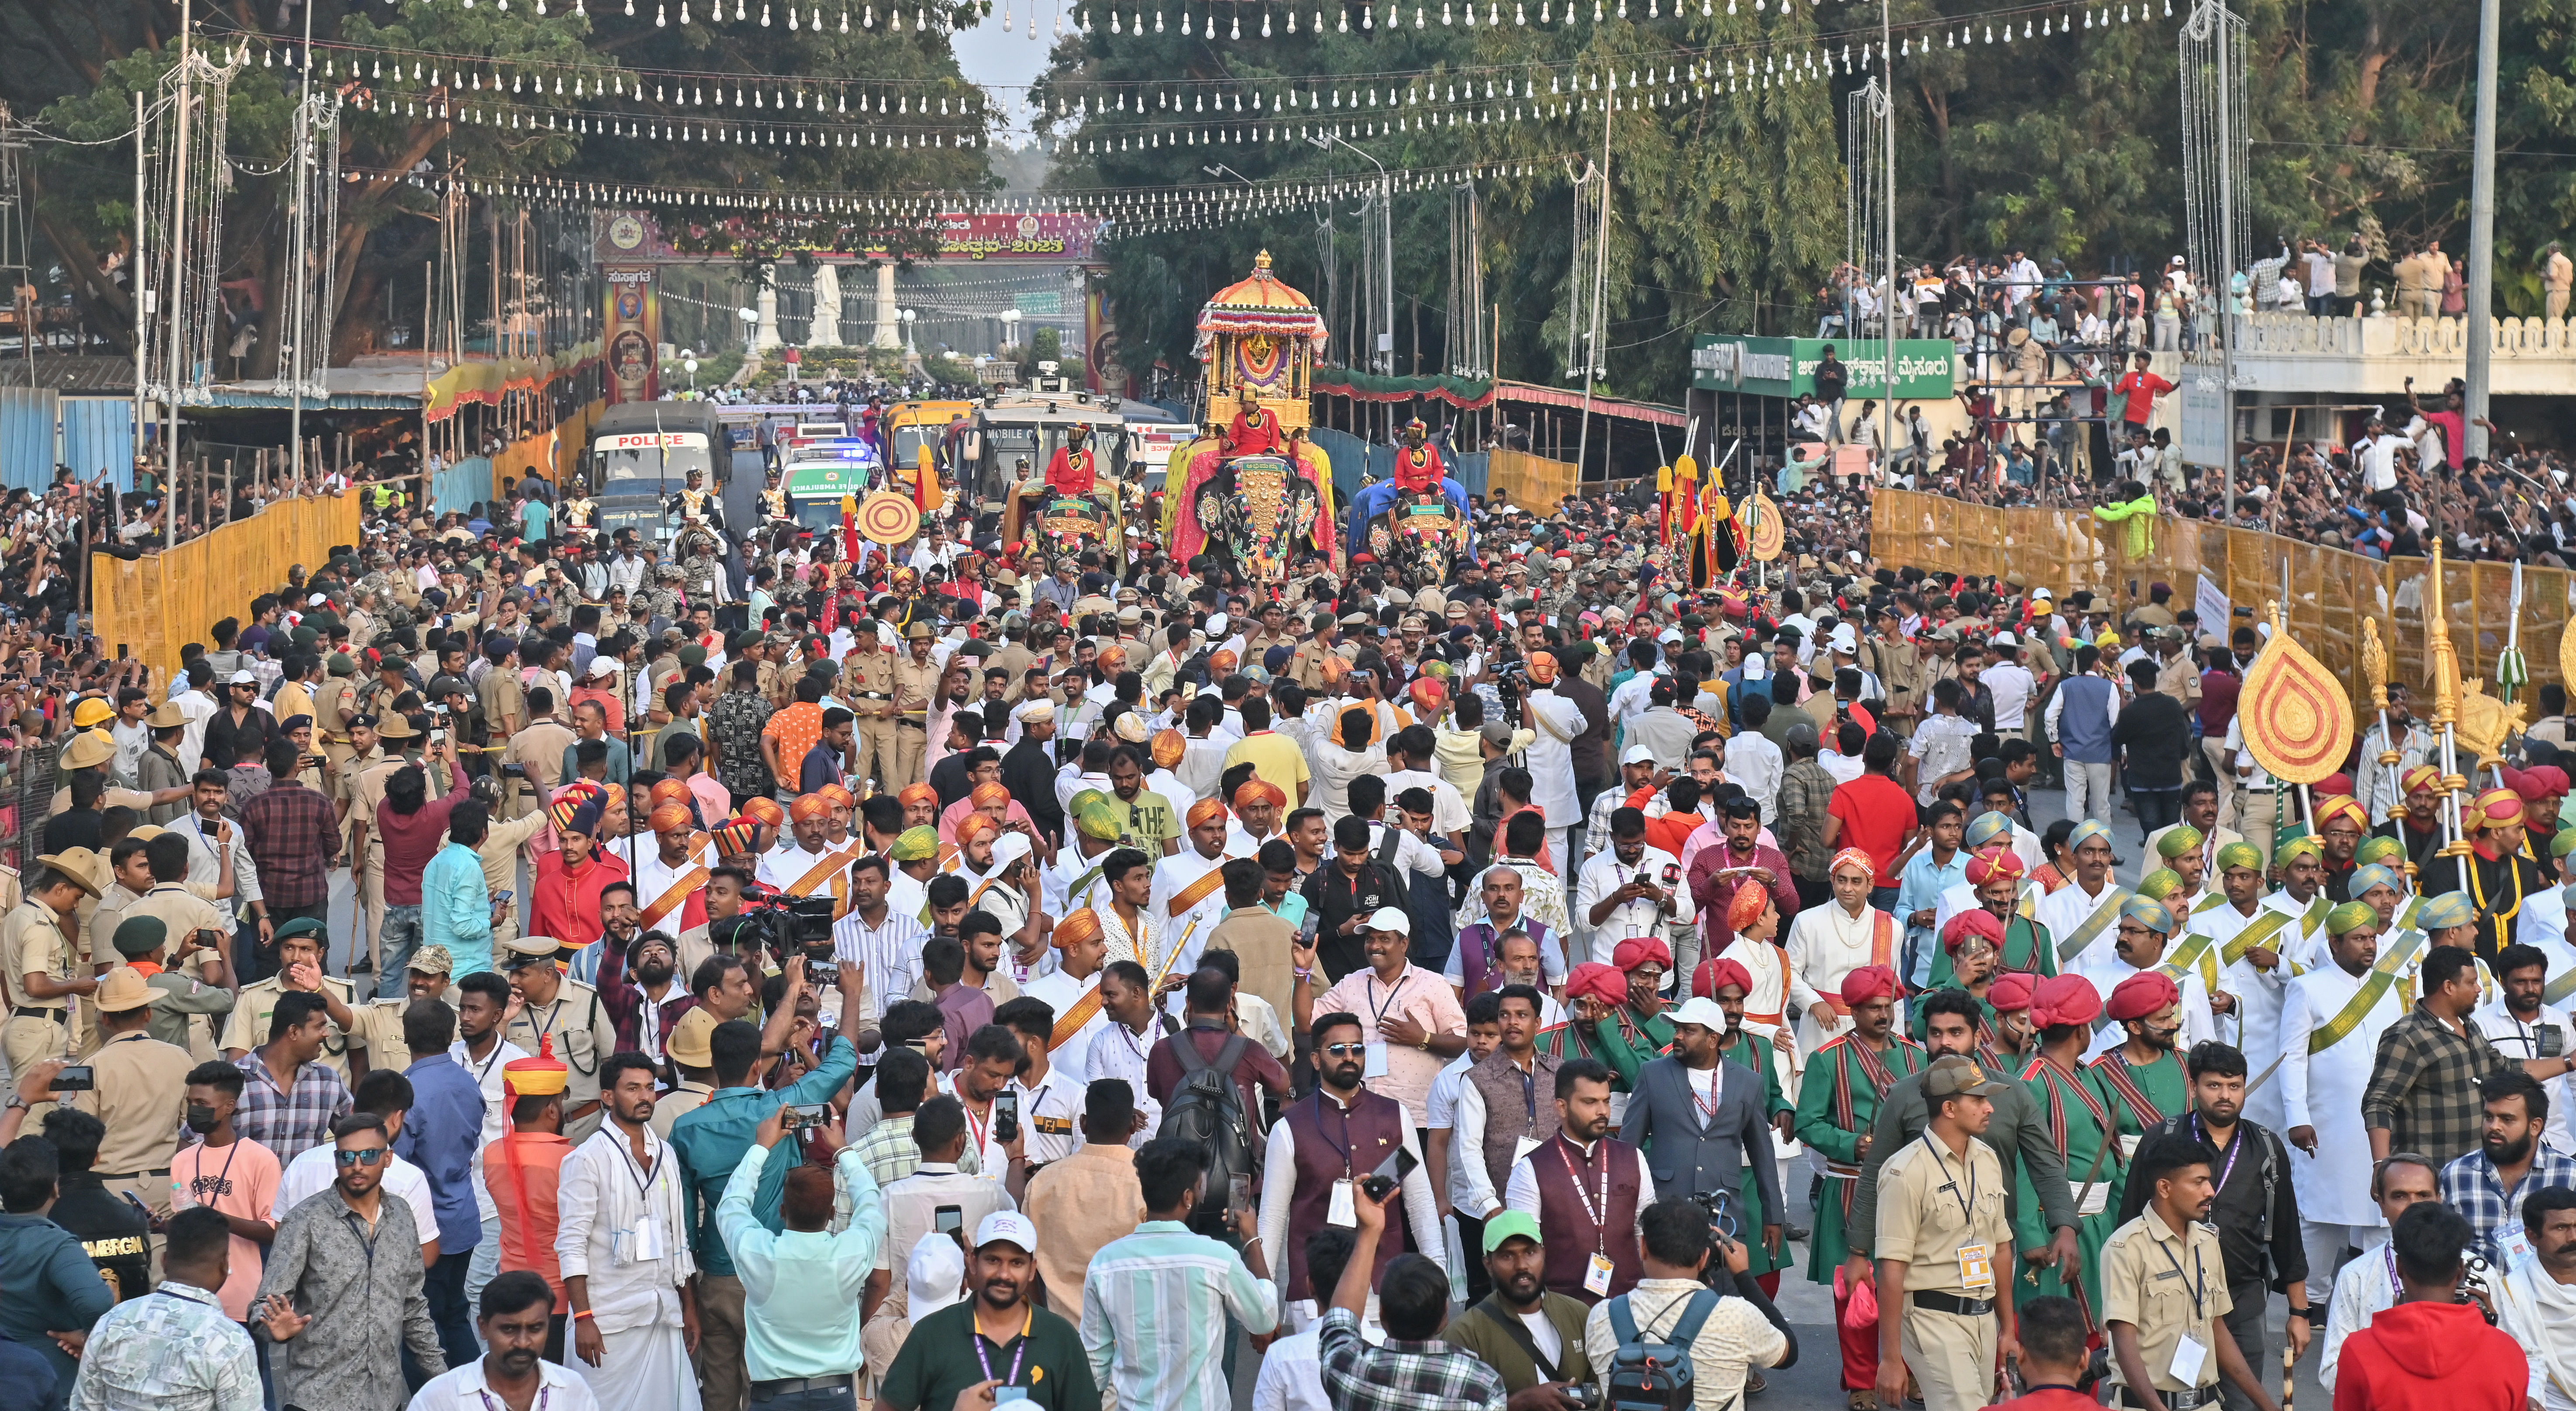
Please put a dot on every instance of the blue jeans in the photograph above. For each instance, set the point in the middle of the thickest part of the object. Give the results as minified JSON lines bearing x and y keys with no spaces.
{"x":402,"y":939}
{"x":444,"y":1287}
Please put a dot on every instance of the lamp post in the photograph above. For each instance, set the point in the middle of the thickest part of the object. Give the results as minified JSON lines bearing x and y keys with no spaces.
{"x":689,"y":364}
{"x":908,"y":316}
{"x":1010,"y":328}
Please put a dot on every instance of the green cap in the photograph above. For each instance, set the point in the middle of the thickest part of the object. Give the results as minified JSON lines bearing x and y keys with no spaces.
{"x":300,"y":926}
{"x":138,"y":936}
{"x":1507,"y":1224}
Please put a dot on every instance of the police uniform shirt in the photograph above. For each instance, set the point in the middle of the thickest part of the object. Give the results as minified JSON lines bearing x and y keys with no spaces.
{"x":380,"y":1032}
{"x":141,"y":1093}
{"x":582,"y":1033}
{"x":248,"y":1027}
{"x":1933,"y":1203}
{"x":32,"y":942}
{"x":2167,"y":1287}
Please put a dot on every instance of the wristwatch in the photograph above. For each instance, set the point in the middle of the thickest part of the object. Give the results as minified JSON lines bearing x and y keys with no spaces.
{"x":15,"y":1104}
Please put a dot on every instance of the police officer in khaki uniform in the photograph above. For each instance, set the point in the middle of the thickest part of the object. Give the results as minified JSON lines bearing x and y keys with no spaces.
{"x":567,"y":1014}
{"x":916,"y":684}
{"x":299,"y":944}
{"x":192,"y":988}
{"x":2164,"y":1289}
{"x":1306,"y":668}
{"x":379,"y":1029}
{"x":1942,"y":1236}
{"x":181,"y":907}
{"x":333,"y":704}
{"x":140,"y":1090}
{"x":39,"y":971}
{"x":867,"y":681}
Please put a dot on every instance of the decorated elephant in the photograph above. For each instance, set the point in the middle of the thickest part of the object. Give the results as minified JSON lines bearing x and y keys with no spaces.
{"x":1419,"y":539}
{"x":1262,"y":511}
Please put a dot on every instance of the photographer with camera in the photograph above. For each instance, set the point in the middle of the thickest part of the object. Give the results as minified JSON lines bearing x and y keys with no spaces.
{"x":1530,"y":1335}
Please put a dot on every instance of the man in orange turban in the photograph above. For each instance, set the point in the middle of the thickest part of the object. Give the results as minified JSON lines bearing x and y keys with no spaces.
{"x":991,"y":799}
{"x":920,"y":805}
{"x":843,"y":803}
{"x":1188,"y":896}
{"x":766,"y":814}
{"x":1257,"y":806}
{"x":671,"y":884}
{"x":807,"y":865}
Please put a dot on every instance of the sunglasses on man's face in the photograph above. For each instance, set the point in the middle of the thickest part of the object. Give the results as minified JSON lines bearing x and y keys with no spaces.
{"x":1345,"y":1050}
{"x":367,"y":1156}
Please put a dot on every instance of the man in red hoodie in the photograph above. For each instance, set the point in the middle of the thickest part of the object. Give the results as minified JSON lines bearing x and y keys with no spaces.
{"x":2433,"y":1351}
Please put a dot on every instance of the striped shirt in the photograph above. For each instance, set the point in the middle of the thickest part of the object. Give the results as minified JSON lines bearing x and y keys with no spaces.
{"x":1147,"y":1306}
{"x":891,"y":950}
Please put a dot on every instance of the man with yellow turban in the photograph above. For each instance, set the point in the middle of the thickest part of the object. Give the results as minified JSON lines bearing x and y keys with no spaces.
{"x":914,"y":859}
{"x":2496,"y":873}
{"x":2331,"y":1020}
{"x":2231,"y":918}
{"x":2339,"y":825}
{"x":2417,"y":827}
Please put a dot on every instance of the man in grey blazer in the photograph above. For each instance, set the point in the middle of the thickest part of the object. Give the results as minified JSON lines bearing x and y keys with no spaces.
{"x":1695,"y":1116}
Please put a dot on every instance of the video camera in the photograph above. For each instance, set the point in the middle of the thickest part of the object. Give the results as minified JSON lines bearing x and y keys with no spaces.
{"x":785,"y":926}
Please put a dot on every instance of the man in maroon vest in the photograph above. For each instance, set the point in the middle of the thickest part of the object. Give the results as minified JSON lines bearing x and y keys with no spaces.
{"x":1587,"y":1188}
{"x":1324,"y":1140}
{"x":1504,"y":1111}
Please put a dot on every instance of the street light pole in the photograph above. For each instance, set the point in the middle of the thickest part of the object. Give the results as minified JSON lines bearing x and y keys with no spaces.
{"x":1887,"y":304}
{"x":2481,"y":330}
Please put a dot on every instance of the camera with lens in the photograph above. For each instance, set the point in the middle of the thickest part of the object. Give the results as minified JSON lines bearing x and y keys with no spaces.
{"x":1586,"y":1395}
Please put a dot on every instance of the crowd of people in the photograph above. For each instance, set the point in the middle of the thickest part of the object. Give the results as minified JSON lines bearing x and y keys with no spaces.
{"x":945,"y":974}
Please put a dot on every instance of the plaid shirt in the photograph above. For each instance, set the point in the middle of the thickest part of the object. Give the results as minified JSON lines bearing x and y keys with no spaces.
{"x":2470,"y":1186}
{"x":292,"y":835}
{"x":1401,"y":1375}
{"x":1799,"y":820}
{"x":290,"y":1123}
{"x":889,"y":1151}
{"x":2424,"y":1085}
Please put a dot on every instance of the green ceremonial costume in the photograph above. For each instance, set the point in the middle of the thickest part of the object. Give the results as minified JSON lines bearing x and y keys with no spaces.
{"x":2082,"y":1125}
{"x":2139,"y":1099}
{"x":1837,"y":1102}
{"x":2027,"y":947}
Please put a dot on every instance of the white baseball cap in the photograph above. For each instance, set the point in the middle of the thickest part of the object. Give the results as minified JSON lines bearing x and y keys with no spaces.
{"x":1387,"y":918}
{"x":935,"y":1275}
{"x":1700,"y":1010}
{"x":2005,"y":639}
{"x":1638,"y":754}
{"x":1007,"y":1225}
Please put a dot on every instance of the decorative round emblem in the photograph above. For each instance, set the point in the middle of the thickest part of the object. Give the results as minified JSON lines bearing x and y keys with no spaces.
{"x":889,"y":518}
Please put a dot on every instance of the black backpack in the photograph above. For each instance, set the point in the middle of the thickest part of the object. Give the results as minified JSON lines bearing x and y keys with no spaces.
{"x":1206,"y":1110}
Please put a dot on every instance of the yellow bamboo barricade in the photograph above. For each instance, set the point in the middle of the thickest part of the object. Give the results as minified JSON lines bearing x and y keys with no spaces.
{"x":2329,"y":591}
{"x":154,"y":605}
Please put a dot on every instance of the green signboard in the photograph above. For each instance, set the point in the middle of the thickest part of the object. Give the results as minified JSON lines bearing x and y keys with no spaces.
{"x":1786,"y":367}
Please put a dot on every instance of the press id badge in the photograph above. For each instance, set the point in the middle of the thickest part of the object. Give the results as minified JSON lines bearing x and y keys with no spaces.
{"x":644,"y":1242}
{"x":2513,"y":1244}
{"x":2188,"y":1359}
{"x":1977,"y":1266}
{"x":1342,"y":1213}
{"x":1376,"y":1060}
{"x":1596,"y":1276}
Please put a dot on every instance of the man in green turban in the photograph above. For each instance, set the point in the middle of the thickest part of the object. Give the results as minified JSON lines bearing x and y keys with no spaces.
{"x":1073,"y":881}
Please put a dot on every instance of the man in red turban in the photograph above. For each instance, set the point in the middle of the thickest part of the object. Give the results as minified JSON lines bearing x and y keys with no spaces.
{"x":2143,"y":1077}
{"x":1847,"y":1078}
{"x":2063,"y":1009}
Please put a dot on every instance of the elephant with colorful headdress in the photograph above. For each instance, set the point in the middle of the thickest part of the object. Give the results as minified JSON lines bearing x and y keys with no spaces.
{"x":1263,"y":511}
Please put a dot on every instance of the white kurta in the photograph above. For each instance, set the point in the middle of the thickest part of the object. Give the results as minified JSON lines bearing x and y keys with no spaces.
{"x":2065,"y":912}
{"x":1062,"y":992}
{"x":1551,"y":758}
{"x":2323,"y":1091}
{"x":2540,"y":1313}
{"x":1776,"y":994}
{"x":1057,"y":879}
{"x":625,"y":1230}
{"x":1826,"y":944}
{"x":2260,"y":994}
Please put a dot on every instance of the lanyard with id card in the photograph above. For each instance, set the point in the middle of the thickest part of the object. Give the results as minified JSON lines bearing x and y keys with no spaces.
{"x":1977,"y":1260}
{"x":2191,"y":1355}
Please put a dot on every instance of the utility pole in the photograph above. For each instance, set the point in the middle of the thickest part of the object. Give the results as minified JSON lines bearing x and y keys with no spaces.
{"x":2481,"y":331}
{"x":176,"y":288}
{"x":1592,"y":350}
{"x":300,"y":250}
{"x":1887,"y":305}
